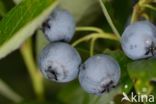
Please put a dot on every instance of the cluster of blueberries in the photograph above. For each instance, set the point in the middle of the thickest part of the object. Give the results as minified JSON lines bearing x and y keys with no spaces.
{"x":60,"y":62}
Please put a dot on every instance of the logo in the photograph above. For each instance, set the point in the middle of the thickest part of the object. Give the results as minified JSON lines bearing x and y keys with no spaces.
{"x":137,"y":97}
{"x":125,"y":97}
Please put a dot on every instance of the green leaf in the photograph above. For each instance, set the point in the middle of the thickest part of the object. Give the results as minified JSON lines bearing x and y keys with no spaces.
{"x":41,"y":42}
{"x":72,"y":97}
{"x":74,"y":94}
{"x":142,"y":72}
{"x":21,"y":22}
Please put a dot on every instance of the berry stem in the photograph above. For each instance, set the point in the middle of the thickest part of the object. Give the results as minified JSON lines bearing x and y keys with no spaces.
{"x":146,"y":16}
{"x":134,"y":14}
{"x":92,"y":46}
{"x":6,"y":91}
{"x":85,"y":38}
{"x":87,"y":28}
{"x":109,"y":20}
{"x":149,"y":7}
{"x":95,"y":35}
{"x":139,"y":9}
{"x":37,"y":80}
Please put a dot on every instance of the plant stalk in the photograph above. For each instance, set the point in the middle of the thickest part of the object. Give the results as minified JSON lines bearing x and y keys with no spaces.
{"x":35,"y":75}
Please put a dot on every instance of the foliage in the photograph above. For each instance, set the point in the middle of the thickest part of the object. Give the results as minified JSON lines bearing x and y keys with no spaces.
{"x":95,"y":33}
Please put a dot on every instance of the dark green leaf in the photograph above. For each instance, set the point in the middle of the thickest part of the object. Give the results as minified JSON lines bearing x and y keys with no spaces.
{"x":74,"y":94}
{"x":21,"y":22}
{"x":142,"y":72}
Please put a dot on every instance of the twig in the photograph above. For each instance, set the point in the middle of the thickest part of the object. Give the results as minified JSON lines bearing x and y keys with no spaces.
{"x":95,"y":35}
{"x":109,"y":19}
{"x":6,"y":91}
{"x":37,"y":81}
{"x":87,"y":28}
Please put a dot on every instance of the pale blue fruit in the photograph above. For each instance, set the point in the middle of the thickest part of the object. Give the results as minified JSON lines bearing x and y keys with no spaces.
{"x":139,"y":40}
{"x":60,"y":26}
{"x":99,"y":74}
{"x":59,"y":62}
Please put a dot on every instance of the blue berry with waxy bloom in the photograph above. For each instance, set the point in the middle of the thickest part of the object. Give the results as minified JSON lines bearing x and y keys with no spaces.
{"x":139,"y":40}
{"x":99,"y":74}
{"x":60,"y":26}
{"x":59,"y":62}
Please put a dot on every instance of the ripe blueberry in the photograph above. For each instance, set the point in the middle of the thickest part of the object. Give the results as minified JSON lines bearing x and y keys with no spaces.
{"x":59,"y":62}
{"x":139,"y":40}
{"x":99,"y":74}
{"x":60,"y":26}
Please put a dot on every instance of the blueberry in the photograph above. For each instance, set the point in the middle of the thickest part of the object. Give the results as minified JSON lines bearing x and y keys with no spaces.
{"x":60,"y":26}
{"x":99,"y":74}
{"x":139,"y":40}
{"x":59,"y":62}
